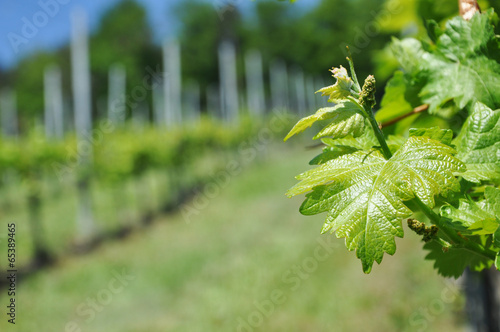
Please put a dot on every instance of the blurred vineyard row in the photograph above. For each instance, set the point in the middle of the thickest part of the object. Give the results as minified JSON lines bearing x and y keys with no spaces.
{"x":119,"y":153}
{"x":133,"y":175}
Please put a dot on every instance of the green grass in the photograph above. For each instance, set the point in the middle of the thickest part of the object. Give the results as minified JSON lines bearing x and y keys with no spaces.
{"x":237,"y":254}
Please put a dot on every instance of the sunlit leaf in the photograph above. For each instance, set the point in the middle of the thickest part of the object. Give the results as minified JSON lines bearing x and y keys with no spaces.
{"x":363,"y":193}
{"x":342,"y":89}
{"x":345,"y":118}
{"x":478,"y":144}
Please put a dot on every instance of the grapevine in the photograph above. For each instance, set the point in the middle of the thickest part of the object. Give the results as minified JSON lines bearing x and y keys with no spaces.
{"x":444,"y":181}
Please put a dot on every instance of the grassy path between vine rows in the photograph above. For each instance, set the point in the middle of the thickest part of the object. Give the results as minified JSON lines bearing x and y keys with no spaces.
{"x":247,"y":262}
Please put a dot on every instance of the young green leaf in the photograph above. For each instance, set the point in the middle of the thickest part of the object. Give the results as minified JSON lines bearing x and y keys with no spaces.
{"x":365,"y":141}
{"x":473,"y":79}
{"x":433,"y":30}
{"x":363,"y":193}
{"x":469,"y":63}
{"x":479,"y":219}
{"x":332,"y":152}
{"x":346,"y":118}
{"x":478,"y":144}
{"x":342,"y":89}
{"x":491,"y":204}
{"x":444,"y":136}
{"x":409,"y":53}
{"x":472,"y":216}
{"x":338,"y":147}
{"x":347,"y":121}
{"x":463,"y":66}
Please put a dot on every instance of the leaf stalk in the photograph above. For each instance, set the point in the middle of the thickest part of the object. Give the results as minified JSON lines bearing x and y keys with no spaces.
{"x":456,"y":239}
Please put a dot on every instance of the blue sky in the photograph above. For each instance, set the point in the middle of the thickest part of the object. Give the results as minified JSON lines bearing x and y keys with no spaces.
{"x":54,"y":31}
{"x":50,"y":24}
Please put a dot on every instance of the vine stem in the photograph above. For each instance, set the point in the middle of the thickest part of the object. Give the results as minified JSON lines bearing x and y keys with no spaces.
{"x":367,"y":111}
{"x":380,"y":136}
{"x":416,"y":110}
{"x":378,"y":132}
{"x":456,"y":239}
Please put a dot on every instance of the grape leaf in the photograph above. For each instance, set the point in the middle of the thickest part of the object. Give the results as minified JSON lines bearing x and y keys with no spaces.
{"x":409,"y":53}
{"x":346,"y":118}
{"x":491,"y":203}
{"x":444,"y":136}
{"x":441,"y":135}
{"x":342,"y":89}
{"x":363,"y":193}
{"x":467,"y":81}
{"x":332,"y":152}
{"x":347,"y":122}
{"x":471,"y":218}
{"x":363,"y":142}
{"x":478,"y":144}
{"x":433,"y":30}
{"x":461,"y":68}
{"x":345,"y":145}
{"x":465,"y":66}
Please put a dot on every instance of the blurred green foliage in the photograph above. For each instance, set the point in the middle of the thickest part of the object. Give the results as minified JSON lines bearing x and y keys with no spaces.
{"x":314,"y":40}
{"x":124,"y":36}
{"x":121,"y":155}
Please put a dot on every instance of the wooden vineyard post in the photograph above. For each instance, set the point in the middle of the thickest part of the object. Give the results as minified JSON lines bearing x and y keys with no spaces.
{"x":192,"y":102}
{"x":117,"y":81}
{"x":299,"y":89}
{"x":172,"y":83}
{"x":228,"y":82}
{"x":83,"y":121}
{"x":311,"y":98}
{"x":158,"y":106}
{"x":53,"y":116}
{"x":279,"y":85}
{"x":8,"y":113}
{"x":255,"y":83}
